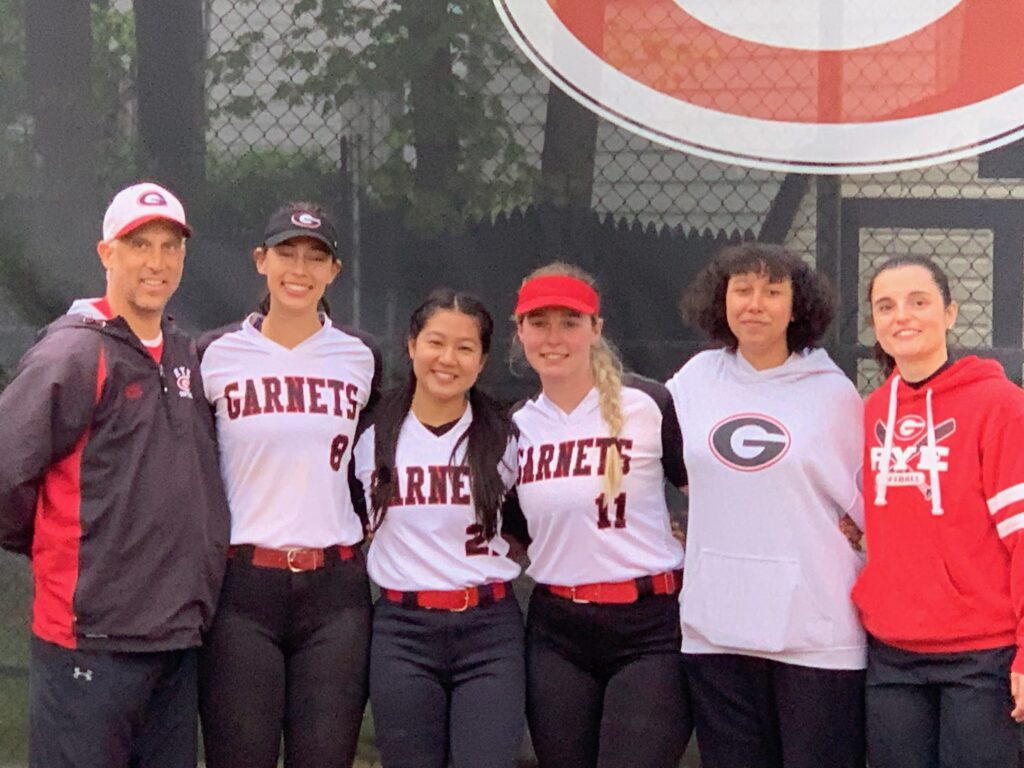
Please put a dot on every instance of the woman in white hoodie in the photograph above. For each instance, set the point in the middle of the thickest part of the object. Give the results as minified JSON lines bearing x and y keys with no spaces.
{"x":772,"y":432}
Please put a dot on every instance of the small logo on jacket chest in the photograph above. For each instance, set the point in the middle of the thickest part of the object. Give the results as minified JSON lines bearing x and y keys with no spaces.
{"x":183,"y":378}
{"x":911,"y":458}
{"x":749,"y":441}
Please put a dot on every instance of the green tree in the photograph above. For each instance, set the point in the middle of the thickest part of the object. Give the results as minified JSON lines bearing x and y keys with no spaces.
{"x":65,"y":81}
{"x":434,"y":61}
{"x":109,"y":96}
{"x":113,"y":94}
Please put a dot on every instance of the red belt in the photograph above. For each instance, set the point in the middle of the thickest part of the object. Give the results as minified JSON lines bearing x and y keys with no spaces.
{"x":294,"y":559}
{"x":450,"y":599}
{"x":667,"y":583}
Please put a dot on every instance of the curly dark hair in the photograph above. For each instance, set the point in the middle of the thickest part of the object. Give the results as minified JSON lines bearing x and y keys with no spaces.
{"x":814,"y":301}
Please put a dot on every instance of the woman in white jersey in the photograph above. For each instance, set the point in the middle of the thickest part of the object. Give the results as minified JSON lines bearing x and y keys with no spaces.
{"x":447,"y":679}
{"x":288,"y":651}
{"x":605,"y":681}
{"x":774,"y":652}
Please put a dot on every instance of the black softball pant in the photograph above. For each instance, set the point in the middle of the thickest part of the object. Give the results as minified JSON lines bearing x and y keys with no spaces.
{"x":101,"y":709}
{"x":448,"y":685}
{"x":287,"y":655}
{"x":759,"y":713}
{"x":940,"y":710}
{"x":605,"y":683}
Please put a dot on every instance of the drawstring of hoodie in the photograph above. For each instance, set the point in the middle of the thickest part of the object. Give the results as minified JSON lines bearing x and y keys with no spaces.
{"x":882,"y":476}
{"x":933,"y":471}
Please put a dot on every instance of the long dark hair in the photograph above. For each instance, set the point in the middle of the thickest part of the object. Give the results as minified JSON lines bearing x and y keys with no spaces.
{"x":318,"y":210}
{"x":487,"y":436}
{"x":907,"y":260}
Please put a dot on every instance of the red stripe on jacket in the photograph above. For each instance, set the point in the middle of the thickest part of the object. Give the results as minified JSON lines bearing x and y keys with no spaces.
{"x":58,"y":534}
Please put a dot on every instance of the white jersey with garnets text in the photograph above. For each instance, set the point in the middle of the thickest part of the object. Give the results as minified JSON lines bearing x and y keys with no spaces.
{"x":773,"y":458}
{"x":430,"y":539}
{"x":286,"y":423}
{"x":578,"y":536}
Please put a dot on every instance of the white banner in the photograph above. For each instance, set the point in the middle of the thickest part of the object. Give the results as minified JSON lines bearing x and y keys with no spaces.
{"x":817,"y":86}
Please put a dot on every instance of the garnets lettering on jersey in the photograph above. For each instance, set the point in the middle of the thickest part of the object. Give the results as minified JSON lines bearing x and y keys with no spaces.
{"x":291,"y":394}
{"x":571,"y":458}
{"x":435,"y":484}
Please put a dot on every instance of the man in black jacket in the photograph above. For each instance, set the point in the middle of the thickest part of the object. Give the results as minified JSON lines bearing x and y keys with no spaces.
{"x":109,"y":482}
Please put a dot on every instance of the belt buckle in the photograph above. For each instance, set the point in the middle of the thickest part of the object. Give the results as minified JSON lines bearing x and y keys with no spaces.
{"x":465,"y":605}
{"x":292,"y":553}
{"x":572,"y":592}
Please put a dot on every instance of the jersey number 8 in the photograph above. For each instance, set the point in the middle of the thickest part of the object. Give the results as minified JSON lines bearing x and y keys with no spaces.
{"x":338,"y":446}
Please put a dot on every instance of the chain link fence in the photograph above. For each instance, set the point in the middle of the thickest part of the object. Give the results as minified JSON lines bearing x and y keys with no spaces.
{"x":418,"y":119}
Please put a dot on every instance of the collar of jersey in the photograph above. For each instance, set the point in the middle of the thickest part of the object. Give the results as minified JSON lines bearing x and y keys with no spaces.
{"x":251,"y":326}
{"x":589,"y":402}
{"x":452,"y":434}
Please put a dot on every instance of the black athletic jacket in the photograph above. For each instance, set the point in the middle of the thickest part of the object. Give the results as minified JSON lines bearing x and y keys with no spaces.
{"x":109,"y":481}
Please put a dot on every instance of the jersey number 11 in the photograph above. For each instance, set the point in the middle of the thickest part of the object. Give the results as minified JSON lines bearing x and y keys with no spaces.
{"x":603,"y":518}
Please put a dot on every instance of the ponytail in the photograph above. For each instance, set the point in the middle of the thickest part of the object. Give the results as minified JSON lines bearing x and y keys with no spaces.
{"x":606,"y":368}
{"x":486,"y":443}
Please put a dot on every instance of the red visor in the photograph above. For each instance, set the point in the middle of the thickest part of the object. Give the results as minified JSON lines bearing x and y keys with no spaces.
{"x":557,"y":291}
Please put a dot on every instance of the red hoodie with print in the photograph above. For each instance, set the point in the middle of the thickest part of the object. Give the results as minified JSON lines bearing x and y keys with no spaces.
{"x":945,"y":524}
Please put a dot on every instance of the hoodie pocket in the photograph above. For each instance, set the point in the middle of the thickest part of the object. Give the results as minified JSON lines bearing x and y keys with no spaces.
{"x":752,"y":603}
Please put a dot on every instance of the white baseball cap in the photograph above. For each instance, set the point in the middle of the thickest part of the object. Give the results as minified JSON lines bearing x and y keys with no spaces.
{"x":135,"y":205}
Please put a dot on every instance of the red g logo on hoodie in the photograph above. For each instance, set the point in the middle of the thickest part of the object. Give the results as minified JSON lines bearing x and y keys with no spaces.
{"x":910,"y":458}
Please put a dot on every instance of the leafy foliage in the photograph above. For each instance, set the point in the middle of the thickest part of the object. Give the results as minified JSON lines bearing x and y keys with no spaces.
{"x":342,"y":55}
{"x":112,"y":80}
{"x":113,"y":89}
{"x":242,"y":190}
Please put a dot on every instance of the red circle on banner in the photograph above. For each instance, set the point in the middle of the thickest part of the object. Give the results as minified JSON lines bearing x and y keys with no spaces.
{"x":852,"y":86}
{"x":949,"y":89}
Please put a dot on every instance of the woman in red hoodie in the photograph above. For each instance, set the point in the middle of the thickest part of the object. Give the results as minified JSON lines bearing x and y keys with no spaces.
{"x":942,"y":594}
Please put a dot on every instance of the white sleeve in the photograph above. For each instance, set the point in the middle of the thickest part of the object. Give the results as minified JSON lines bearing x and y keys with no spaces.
{"x":847,"y":452}
{"x":207,"y":374}
{"x":509,"y":467}
{"x":363,"y":462}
